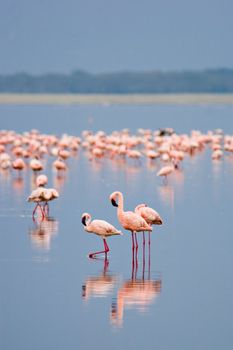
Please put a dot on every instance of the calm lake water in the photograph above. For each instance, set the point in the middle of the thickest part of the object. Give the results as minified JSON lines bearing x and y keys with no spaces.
{"x":179,"y":296}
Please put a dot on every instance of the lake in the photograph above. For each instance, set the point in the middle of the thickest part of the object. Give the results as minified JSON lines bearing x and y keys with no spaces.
{"x":177,"y":295}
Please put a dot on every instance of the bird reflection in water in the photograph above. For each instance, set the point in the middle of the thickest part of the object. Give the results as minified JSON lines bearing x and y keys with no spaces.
{"x":59,"y":181}
{"x":99,"y":286}
{"x":18,"y":185}
{"x":43,"y":231}
{"x":136,"y":293}
{"x":166,"y":193}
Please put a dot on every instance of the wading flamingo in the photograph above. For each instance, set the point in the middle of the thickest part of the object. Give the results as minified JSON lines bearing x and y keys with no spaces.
{"x":128,"y":219}
{"x":151,"y":216}
{"x":19,"y":165}
{"x":41,"y":180}
{"x":100,"y":228}
{"x":42,"y":195}
{"x":165,"y":171}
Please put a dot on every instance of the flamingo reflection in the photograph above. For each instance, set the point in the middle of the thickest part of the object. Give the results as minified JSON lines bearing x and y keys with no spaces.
{"x":166,"y":193}
{"x":99,"y":286}
{"x":136,"y":293}
{"x":43,"y":231}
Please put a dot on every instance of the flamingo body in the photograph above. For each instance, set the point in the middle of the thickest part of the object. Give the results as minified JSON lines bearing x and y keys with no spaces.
{"x":150,"y":215}
{"x":165,"y":170}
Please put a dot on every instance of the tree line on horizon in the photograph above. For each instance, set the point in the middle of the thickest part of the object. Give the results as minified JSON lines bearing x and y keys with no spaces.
{"x":204,"y":81}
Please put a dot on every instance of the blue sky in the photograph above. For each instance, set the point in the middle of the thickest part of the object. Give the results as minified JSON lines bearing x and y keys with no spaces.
{"x":40,"y":36}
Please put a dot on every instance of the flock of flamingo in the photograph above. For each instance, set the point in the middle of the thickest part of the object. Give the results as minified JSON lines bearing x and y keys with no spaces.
{"x":29,"y":150}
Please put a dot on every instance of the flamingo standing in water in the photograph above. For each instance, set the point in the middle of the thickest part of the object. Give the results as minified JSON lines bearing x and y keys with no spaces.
{"x":101,"y":228}
{"x":42,"y":195}
{"x":128,"y":219}
{"x":150,"y":215}
{"x":165,"y":171}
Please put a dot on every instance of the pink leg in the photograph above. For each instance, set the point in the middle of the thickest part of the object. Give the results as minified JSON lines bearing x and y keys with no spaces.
{"x":106,"y":250}
{"x":149,"y":258}
{"x":42,"y":211}
{"x":136,"y":240}
{"x":133,"y":246}
{"x":46,"y":209}
{"x":33,"y":213}
{"x":165,"y":180}
{"x":143,"y":260}
{"x":143,"y":238}
{"x":106,"y":247}
{"x":106,"y":263}
{"x":136,"y":254}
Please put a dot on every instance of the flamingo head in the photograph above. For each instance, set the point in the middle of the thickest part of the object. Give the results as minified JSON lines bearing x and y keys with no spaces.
{"x":86,"y":218}
{"x":113,"y":199}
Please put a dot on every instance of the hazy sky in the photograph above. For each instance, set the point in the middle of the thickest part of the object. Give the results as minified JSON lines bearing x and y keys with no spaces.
{"x":40,"y":36}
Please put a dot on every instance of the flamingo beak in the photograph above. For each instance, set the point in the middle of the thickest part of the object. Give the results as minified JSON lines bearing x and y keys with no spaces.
{"x":84,"y":220}
{"x":83,"y":291}
{"x":114,"y":203}
{"x":160,"y":222}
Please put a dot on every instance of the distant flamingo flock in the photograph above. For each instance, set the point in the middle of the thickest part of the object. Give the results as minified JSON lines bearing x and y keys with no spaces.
{"x":30,"y":151}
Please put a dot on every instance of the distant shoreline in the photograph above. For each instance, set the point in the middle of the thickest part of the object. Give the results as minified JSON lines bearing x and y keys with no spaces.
{"x":115,"y":99}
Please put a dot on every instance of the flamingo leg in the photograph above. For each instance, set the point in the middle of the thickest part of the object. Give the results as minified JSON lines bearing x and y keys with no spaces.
{"x":33,"y":213}
{"x":143,"y":261}
{"x":106,"y":250}
{"x":106,"y":247}
{"x":165,"y":180}
{"x":133,"y":246}
{"x":42,"y":211}
{"x":46,"y":209}
{"x":143,"y":238}
{"x":106,"y":263}
{"x":136,"y":253}
{"x":136,"y":240}
{"x":149,"y":258}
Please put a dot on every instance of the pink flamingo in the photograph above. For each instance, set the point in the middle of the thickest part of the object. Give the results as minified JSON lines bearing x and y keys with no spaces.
{"x":36,"y":165}
{"x":41,"y":195}
{"x":128,"y":219}
{"x":41,"y":180}
{"x":165,"y":171}
{"x":101,"y":228}
{"x":18,"y":164}
{"x":59,"y":165}
{"x":150,"y":215}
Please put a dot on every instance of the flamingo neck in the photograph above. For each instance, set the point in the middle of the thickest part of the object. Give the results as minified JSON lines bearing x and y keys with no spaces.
{"x":120,"y":207}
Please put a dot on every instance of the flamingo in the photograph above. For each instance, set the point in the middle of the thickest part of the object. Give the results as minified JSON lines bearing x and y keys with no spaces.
{"x":151,"y":216}
{"x":41,"y":180}
{"x":41,"y":195}
{"x":165,"y":171}
{"x":36,"y":165}
{"x":128,"y":219}
{"x":59,"y":164}
{"x":101,"y":228}
{"x":18,"y":164}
